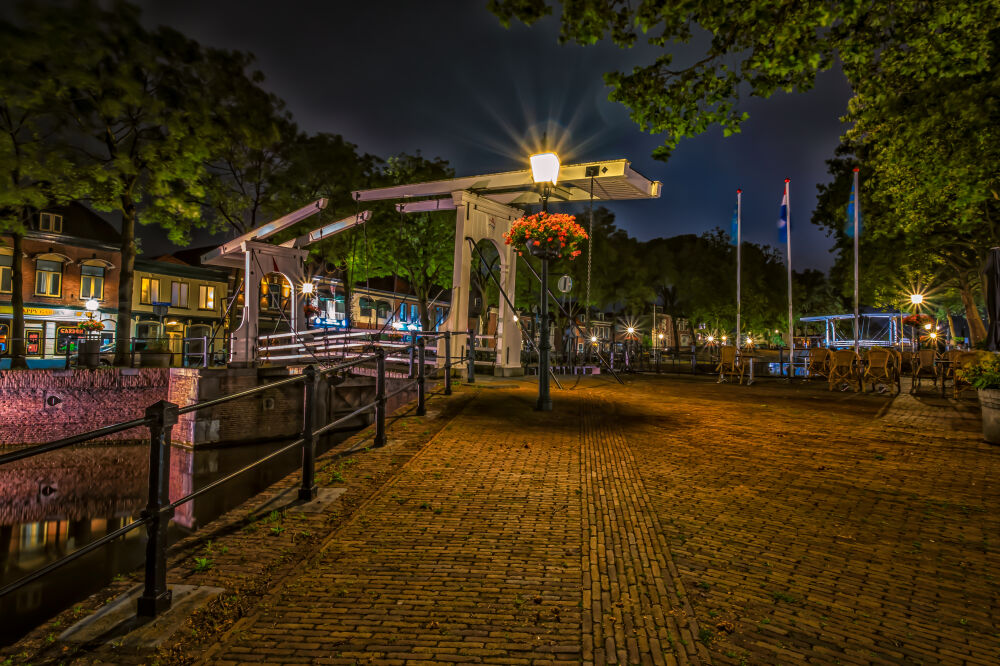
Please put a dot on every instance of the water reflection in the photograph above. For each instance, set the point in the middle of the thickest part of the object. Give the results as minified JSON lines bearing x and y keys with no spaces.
{"x":56,"y":503}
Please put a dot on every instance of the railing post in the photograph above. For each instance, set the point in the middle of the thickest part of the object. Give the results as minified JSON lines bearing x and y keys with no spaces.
{"x":204,"y":351}
{"x":471,"y":358}
{"x":67,"y":350}
{"x":156,"y":597}
{"x":307,"y":491}
{"x":409,"y":375}
{"x":421,"y":388}
{"x":380,"y":396}
{"x":447,"y":363}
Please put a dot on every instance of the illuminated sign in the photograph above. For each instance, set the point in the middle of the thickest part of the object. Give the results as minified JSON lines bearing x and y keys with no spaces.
{"x":324,"y":322}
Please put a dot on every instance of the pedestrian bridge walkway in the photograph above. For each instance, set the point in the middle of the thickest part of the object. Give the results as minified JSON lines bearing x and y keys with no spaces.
{"x":672,"y":520}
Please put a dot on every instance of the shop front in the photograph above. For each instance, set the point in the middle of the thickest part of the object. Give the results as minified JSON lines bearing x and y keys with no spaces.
{"x":51,"y":332}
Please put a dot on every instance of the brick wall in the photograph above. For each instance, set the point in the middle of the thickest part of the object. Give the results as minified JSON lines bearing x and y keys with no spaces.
{"x":42,"y":405}
{"x":70,"y":296}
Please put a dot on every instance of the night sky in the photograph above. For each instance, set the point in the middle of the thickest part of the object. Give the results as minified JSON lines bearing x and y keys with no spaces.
{"x":446,"y":78}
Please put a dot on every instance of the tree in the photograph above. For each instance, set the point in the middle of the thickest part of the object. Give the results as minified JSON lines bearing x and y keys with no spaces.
{"x":419,"y":247}
{"x":144,"y":125}
{"x":756,"y":48}
{"x":34,"y":171}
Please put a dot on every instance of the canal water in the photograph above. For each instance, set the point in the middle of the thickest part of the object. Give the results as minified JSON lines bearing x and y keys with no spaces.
{"x":58,"y":502}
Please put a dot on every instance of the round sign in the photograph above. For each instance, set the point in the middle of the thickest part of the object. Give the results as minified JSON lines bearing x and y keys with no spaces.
{"x":565,"y":284}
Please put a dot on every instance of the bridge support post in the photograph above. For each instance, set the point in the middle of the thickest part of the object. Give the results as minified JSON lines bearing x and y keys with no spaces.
{"x":155,"y":596}
{"x":421,"y":379}
{"x":471,"y":361}
{"x":447,"y":363}
{"x":379,"y":396}
{"x":307,"y":491}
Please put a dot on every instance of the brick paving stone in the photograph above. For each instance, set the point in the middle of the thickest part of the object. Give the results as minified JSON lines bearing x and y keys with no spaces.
{"x":669,"y":521}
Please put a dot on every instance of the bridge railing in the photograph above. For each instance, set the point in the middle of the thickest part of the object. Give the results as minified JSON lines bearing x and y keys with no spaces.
{"x":159,"y":419}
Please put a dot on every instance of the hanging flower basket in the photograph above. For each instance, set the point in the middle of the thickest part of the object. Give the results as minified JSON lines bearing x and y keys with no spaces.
{"x":547,"y":236}
{"x":917,"y":320}
{"x":91,"y":325}
{"x":310,"y":310}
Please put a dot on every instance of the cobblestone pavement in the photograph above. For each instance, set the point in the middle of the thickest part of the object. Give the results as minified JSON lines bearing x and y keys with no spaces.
{"x":672,"y":520}
{"x":669,"y":521}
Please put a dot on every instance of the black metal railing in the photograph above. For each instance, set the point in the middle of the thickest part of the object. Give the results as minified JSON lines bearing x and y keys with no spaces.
{"x":197,"y":351}
{"x":159,"y":419}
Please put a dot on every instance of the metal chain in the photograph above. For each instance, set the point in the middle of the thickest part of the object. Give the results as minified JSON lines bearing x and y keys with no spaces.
{"x":590,"y":249}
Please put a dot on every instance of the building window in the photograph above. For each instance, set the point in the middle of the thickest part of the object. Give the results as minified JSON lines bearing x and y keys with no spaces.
{"x":50,"y":222}
{"x":6,"y":261}
{"x":206,"y":297}
{"x":91,"y":282}
{"x":402,"y":312}
{"x":48,"y":278}
{"x":382,"y":309}
{"x":149,"y":291}
{"x":414,"y":313}
{"x":367,"y":305}
{"x":179,"y":294}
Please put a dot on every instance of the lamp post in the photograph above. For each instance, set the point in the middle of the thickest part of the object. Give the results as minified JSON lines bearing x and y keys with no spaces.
{"x":544,"y":170}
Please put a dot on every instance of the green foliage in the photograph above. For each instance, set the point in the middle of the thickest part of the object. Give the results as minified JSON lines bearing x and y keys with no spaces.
{"x":984,"y":373}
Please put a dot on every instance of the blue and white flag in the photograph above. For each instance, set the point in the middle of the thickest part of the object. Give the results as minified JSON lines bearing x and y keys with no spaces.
{"x":850,"y":215}
{"x":734,"y":231}
{"x":783,"y":218}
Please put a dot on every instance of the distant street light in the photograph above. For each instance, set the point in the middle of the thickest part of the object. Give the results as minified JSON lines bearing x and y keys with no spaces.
{"x":307,"y":288}
{"x":916,"y":299}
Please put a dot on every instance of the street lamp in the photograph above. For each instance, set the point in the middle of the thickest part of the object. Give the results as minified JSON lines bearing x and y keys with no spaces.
{"x":916,"y":299}
{"x":544,"y":170}
{"x":308,"y":287}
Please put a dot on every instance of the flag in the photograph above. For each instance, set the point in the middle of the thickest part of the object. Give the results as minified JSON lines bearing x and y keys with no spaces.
{"x":850,"y":215}
{"x":734,"y":231}
{"x":783,"y":218}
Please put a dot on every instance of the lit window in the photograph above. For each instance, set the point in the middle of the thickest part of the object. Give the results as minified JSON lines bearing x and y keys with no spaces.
{"x":6,"y":261}
{"x":206,"y":297}
{"x":366,"y":305}
{"x":402,"y":312}
{"x":91,"y":282}
{"x":50,"y":222}
{"x":179,"y":294}
{"x":149,"y":291}
{"x":48,"y":278}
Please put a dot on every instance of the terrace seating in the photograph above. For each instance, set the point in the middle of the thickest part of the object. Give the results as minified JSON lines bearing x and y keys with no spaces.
{"x":819,"y":362}
{"x":730,"y":364}
{"x":844,"y":369}
{"x":924,"y":365}
{"x":880,"y":367}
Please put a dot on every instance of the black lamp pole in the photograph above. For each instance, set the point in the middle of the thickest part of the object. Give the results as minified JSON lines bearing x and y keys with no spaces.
{"x":544,"y":399}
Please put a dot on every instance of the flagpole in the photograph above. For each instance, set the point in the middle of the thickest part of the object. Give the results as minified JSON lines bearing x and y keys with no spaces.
{"x":857,"y":311}
{"x":739,"y":241}
{"x":788,"y":246}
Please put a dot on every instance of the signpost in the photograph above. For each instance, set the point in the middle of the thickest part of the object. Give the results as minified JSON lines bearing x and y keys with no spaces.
{"x":565,"y":284}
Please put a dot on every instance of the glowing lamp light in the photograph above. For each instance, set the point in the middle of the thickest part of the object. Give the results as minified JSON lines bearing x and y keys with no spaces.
{"x":661,"y":336}
{"x":933,"y":336}
{"x":927,"y":327}
{"x":711,"y":338}
{"x":307,"y":288}
{"x":545,"y":168}
{"x":515,"y":317}
{"x":631,"y":330}
{"x":91,"y":305}
{"x":916,"y":299}
{"x":724,"y":338}
{"x":593,"y":338}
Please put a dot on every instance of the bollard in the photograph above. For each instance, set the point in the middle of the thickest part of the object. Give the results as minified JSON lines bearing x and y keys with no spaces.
{"x":421,"y":388}
{"x":380,"y":396}
{"x":155,"y":596}
{"x":471,"y":363}
{"x":447,"y":363}
{"x":307,"y":491}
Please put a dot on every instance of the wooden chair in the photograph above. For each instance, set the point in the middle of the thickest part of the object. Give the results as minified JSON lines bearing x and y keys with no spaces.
{"x":819,"y":363}
{"x":729,"y":363}
{"x":843,"y":369}
{"x":880,"y":367}
{"x":924,"y":365}
{"x":962,"y":360}
{"x":897,"y":362}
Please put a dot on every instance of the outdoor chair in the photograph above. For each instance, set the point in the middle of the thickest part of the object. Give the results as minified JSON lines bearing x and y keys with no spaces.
{"x":729,"y":364}
{"x":880,"y":367}
{"x":924,"y":365}
{"x":962,"y":360}
{"x":819,"y":363}
{"x":844,"y":369}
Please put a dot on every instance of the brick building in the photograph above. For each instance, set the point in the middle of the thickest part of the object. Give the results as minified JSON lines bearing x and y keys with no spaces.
{"x":71,"y":255}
